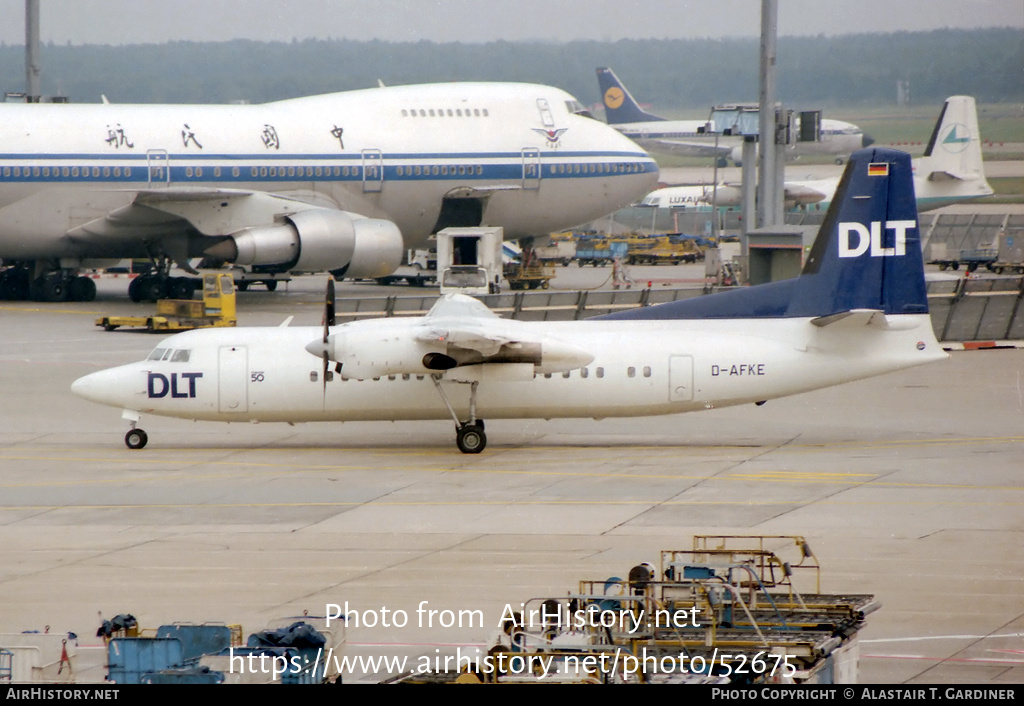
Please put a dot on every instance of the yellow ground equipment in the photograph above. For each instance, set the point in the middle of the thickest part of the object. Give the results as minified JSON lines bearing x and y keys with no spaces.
{"x":217,"y":308}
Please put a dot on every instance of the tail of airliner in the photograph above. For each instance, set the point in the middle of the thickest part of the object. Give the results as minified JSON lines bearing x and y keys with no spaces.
{"x":619,"y":105}
{"x":865,"y":258}
{"x":954,"y":150}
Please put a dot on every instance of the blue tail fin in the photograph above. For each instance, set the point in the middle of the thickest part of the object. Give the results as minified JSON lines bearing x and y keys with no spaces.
{"x":868,"y":251}
{"x":619,"y":105}
{"x":867,"y":255}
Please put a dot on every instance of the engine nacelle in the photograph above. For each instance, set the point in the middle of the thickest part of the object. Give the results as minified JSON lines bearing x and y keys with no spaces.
{"x":376,"y":352}
{"x":322,"y":240}
{"x":366,"y":354}
{"x":736,"y":155}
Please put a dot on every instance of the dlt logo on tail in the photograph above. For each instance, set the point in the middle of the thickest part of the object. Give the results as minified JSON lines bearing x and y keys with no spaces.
{"x":873,"y":237}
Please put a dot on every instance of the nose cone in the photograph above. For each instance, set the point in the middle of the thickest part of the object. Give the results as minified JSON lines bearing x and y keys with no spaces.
{"x":117,"y":387}
{"x":88,"y":387}
{"x":867,"y":140}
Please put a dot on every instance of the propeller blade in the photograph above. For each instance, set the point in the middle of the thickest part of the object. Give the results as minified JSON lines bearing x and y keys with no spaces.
{"x":329,"y":317}
{"x":329,"y":320}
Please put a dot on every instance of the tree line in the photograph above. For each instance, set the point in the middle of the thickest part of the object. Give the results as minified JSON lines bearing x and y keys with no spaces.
{"x":670,"y":74}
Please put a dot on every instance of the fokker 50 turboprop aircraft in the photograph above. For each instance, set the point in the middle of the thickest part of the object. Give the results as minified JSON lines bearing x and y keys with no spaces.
{"x":341,"y":183}
{"x":951,"y":170}
{"x":858,"y":309}
{"x":684,"y":139}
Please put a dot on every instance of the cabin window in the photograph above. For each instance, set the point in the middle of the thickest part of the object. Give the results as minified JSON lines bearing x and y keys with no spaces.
{"x":631,"y":372}
{"x":599,"y":372}
{"x":647,"y":371}
{"x":566,"y":374}
{"x":313,"y":376}
{"x":584,"y":373}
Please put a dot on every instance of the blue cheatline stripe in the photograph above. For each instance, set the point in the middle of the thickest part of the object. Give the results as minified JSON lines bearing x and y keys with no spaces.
{"x":302,"y":156}
{"x":351,"y":169}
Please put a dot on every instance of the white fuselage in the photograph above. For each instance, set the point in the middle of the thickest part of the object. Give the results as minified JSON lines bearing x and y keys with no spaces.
{"x":639,"y":368}
{"x":391,"y":153}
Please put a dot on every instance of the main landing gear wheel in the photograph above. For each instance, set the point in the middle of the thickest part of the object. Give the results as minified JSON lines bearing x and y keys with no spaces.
{"x":135,"y":439}
{"x":470,"y":438}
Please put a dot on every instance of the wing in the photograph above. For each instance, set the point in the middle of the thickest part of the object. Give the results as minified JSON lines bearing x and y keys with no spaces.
{"x":683,"y":148}
{"x":169,"y":217}
{"x":457,"y":332}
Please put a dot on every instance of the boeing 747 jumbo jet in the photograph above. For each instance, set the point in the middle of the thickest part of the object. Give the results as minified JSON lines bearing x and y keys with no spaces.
{"x":682,"y":137}
{"x":858,"y":309}
{"x":950,"y":170}
{"x":341,"y":183}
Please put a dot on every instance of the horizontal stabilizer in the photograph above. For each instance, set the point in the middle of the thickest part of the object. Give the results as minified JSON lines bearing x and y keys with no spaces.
{"x":851,"y":319}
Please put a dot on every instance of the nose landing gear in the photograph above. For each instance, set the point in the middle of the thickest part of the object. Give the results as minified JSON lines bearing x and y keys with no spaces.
{"x":136,"y":439}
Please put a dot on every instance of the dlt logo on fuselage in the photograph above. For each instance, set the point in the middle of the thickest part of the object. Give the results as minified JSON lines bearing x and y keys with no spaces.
{"x":159,"y":385}
{"x":872,"y":237}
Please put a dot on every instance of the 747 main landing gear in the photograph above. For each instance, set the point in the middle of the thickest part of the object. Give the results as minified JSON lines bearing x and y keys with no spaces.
{"x":469,"y":436}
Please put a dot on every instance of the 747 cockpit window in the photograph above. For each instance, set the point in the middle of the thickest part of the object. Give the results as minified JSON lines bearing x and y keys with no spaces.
{"x":576,"y":107}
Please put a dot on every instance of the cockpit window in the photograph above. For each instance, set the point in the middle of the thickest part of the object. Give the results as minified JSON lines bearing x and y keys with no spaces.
{"x":172,"y":355}
{"x":574,"y":106}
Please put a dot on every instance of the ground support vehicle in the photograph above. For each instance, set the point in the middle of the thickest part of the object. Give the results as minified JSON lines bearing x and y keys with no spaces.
{"x":216,"y":308}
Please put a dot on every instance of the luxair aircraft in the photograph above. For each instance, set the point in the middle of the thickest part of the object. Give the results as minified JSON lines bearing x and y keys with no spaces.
{"x":341,"y":183}
{"x":858,"y":309}
{"x":951,"y":170}
{"x":684,"y":138}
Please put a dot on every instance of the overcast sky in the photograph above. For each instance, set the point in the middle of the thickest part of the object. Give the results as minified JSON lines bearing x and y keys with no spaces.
{"x":157,"y":21}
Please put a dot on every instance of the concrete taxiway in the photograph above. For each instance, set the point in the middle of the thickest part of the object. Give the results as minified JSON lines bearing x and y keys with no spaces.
{"x":909,"y":486}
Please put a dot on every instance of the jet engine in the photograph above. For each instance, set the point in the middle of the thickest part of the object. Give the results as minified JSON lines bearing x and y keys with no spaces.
{"x":319,"y":240}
